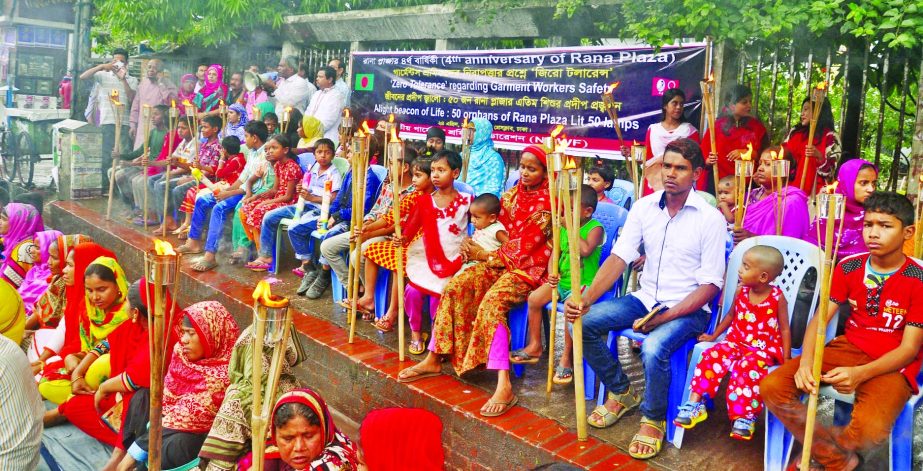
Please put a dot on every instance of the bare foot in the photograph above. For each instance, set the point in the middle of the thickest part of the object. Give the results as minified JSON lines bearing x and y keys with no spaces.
{"x":52,"y":418}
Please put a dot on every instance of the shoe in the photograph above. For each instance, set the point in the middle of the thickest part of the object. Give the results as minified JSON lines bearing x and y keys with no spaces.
{"x":743,"y":428}
{"x":320,"y":284}
{"x":306,"y":281}
{"x":691,"y":414}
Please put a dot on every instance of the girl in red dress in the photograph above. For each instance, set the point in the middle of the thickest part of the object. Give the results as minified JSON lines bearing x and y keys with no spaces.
{"x":736,"y":128}
{"x":821,"y":155}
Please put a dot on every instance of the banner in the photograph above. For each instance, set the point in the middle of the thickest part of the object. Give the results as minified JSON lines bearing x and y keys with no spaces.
{"x":527,"y":92}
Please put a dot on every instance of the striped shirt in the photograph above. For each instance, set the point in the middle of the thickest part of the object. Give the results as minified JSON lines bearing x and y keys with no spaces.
{"x":21,"y":411}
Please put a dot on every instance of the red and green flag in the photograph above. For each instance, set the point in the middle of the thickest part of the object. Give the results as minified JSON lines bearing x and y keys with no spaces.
{"x":365,"y":82}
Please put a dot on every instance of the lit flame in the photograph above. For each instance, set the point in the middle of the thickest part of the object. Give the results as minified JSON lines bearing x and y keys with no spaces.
{"x":394,"y":135}
{"x":263,"y":294}
{"x":221,"y":103}
{"x":360,"y":134}
{"x":746,"y":156}
{"x":711,"y":77}
{"x":114,"y":96}
{"x":174,"y":104}
{"x":345,"y":112}
{"x":391,"y":118}
{"x":612,"y":86}
{"x":465,"y":122}
{"x":557,"y":130}
{"x":365,"y":127}
{"x":162,"y":247}
{"x":570,"y":163}
{"x":635,"y":143}
{"x":822,"y":85}
{"x":186,"y":103}
{"x":562,"y":144}
{"x":830,"y":189}
{"x":781,"y":154}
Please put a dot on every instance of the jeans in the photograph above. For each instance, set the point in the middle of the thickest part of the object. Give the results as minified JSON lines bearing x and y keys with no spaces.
{"x":299,"y":233}
{"x":220,"y":212}
{"x":619,"y":314}
{"x":123,"y":179}
{"x":177,"y":193}
{"x":269,"y":227}
{"x":334,"y":249}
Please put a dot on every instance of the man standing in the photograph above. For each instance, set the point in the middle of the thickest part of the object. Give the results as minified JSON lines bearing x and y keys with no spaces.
{"x":153,"y":90}
{"x":340,"y":84}
{"x":677,"y":227}
{"x":327,"y":104}
{"x":291,"y":89}
{"x":111,"y":76}
{"x":235,"y":88}
{"x":200,"y":77}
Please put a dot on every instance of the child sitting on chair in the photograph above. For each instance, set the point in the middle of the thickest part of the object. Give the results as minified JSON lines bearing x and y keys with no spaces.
{"x":230,"y":165}
{"x":879,"y":355}
{"x":726,"y":203}
{"x":592,"y":236}
{"x":600,"y":179}
{"x":759,"y":338}
{"x":489,"y":233}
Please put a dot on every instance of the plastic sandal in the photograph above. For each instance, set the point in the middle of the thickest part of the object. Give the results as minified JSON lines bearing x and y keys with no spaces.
{"x":655,"y":443}
{"x":563,"y":375}
{"x":506,"y":407}
{"x":384,"y":325}
{"x":417,"y":375}
{"x":417,"y":347}
{"x":258,"y":266}
{"x":520,"y":357}
{"x":628,"y":400}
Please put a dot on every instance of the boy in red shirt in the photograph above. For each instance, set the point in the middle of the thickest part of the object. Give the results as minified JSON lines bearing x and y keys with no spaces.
{"x":879,"y":355}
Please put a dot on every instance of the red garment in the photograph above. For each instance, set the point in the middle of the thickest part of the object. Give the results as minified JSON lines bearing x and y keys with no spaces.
{"x":165,"y":151}
{"x":879,"y":314}
{"x":230,"y":171}
{"x":526,"y":215}
{"x":420,"y":443}
{"x":730,"y":137}
{"x":80,"y":410}
{"x":795,"y":144}
{"x":287,"y":171}
{"x":756,"y":326}
{"x":424,"y":218}
{"x":75,"y":309}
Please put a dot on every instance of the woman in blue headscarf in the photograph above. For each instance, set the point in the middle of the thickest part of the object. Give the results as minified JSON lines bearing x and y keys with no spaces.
{"x":237,"y":119}
{"x":485,"y":168}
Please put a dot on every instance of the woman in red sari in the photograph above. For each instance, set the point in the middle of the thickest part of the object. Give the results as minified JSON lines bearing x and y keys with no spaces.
{"x":736,"y":128}
{"x":470,"y":325}
{"x":820,"y":156}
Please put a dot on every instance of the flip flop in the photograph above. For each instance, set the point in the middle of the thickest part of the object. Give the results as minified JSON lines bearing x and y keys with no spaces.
{"x":422,"y":345}
{"x":520,"y":357}
{"x":187,"y":251}
{"x":506,"y":407}
{"x":202,"y":266}
{"x":258,"y":267}
{"x":417,"y":375}
{"x":563,"y":375}
{"x":385,"y":325}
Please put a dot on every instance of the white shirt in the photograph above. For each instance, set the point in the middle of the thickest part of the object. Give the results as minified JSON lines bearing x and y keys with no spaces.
{"x":683,"y":252}
{"x":106,"y":82}
{"x":343,"y":88}
{"x":22,"y":410}
{"x":327,"y":106}
{"x":293,"y":91}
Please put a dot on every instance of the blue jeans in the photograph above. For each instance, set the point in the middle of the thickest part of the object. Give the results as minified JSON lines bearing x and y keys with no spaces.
{"x":269,"y":227}
{"x":619,"y":314}
{"x":220,"y":211}
{"x":299,"y":233}
{"x":177,"y":193}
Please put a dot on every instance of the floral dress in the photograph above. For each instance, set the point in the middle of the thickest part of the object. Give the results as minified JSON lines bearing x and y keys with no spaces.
{"x":286,"y":171}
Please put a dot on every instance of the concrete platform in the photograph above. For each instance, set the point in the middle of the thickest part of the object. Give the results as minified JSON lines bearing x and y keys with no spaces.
{"x":356,"y":378}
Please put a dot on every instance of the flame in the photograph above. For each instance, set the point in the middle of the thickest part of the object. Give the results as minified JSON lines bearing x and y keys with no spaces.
{"x":263,"y":294}
{"x":612,"y":86}
{"x":635,"y":143}
{"x":221,"y":103}
{"x":174,"y":104}
{"x":711,"y":77}
{"x":162,"y":247}
{"x":394,"y":137}
{"x":570,"y":163}
{"x":557,"y":130}
{"x":562,"y":144}
{"x":345,"y":112}
{"x":746,"y":156}
{"x":360,"y":134}
{"x":781,"y":154}
{"x":921,"y":178}
{"x":391,"y":118}
{"x":830,"y":189}
{"x":186,"y":103}
{"x":822,"y":85}
{"x":365,"y":127}
{"x":465,"y":122}
{"x":114,"y":94}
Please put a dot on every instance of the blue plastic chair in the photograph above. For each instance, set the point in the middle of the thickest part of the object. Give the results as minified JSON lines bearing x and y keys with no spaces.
{"x":463,"y":187}
{"x":612,"y":218}
{"x":800,"y":257}
{"x":511,"y":180}
{"x":622,"y":193}
{"x":380,"y":172}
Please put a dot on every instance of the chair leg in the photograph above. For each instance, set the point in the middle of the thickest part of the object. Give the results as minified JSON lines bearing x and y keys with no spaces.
{"x":778,"y":444}
{"x":678,"y":370}
{"x":518,"y":322}
{"x":901,"y":450}
{"x":274,"y":266}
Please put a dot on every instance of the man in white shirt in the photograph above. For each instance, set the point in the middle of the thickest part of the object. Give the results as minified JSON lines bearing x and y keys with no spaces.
{"x":111,"y":76}
{"x":290,"y":88}
{"x":684,"y":242}
{"x":340,"y":84}
{"x":327,"y":103}
{"x":200,"y":77}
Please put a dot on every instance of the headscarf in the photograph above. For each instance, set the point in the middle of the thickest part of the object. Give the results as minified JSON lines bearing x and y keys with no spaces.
{"x":76,"y":307}
{"x":421,"y":440}
{"x":98,"y":323}
{"x":436,"y":132}
{"x":193,"y":391}
{"x":851,"y":241}
{"x":210,"y":88}
{"x":38,"y":278}
{"x":237,"y":129}
{"x":312,"y":129}
{"x":760,"y":216}
{"x":24,"y":222}
{"x":12,"y":313}
{"x":181,"y":95}
{"x":339,"y":450}
{"x":50,"y":306}
{"x":485,"y":166}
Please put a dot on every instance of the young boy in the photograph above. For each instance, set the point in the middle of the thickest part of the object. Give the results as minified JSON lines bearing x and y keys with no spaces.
{"x":272,"y":123}
{"x":879,"y":355}
{"x":207,"y":163}
{"x":489,"y":233}
{"x":129,"y":170}
{"x":759,"y":338}
{"x":726,"y":203}
{"x":600,"y":179}
{"x":230,"y":165}
{"x":159,"y":147}
{"x":592,"y":236}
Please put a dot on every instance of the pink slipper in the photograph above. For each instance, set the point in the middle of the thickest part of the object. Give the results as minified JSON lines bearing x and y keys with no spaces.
{"x":298,"y":272}
{"x":258,"y":267}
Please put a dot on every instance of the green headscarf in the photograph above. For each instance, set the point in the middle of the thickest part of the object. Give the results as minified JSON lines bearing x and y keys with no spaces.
{"x":99,"y":323}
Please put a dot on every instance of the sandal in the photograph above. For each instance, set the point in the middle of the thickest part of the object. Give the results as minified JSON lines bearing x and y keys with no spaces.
{"x":237,"y":258}
{"x":520,"y":357}
{"x":202,"y":266}
{"x":627,"y":400}
{"x":299,"y":272}
{"x":417,"y":347}
{"x":258,"y":266}
{"x":183,"y":249}
{"x":655,"y":443}
{"x":506,"y":407}
{"x":417,"y":374}
{"x":384,"y":325}
{"x":179,"y":230}
{"x":563,"y":375}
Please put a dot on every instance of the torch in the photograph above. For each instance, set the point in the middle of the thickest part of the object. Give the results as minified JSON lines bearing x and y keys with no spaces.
{"x":193,"y":122}
{"x":173,"y":121}
{"x":256,"y":114}
{"x":743,"y":170}
{"x":325,"y":208}
{"x":223,"y":111}
{"x":817,"y":97}
{"x":117,"y":109}
{"x":708,"y":106}
{"x":285,"y":118}
{"x":918,"y":235}
{"x":161,"y":268}
{"x":146,"y":116}
{"x":635,"y":164}
{"x":360,"y":157}
{"x":612,"y":108}
{"x":555,"y":164}
{"x":467,"y":138}
{"x":346,"y":128}
{"x":779,"y":172}
{"x":396,"y":156}
{"x":272,"y":321}
{"x":830,"y":207}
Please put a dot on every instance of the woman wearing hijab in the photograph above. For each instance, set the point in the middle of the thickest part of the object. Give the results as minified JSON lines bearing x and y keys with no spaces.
{"x":214,"y":91}
{"x":237,"y":119}
{"x":419,"y":440}
{"x":309,"y":131}
{"x":18,"y":225}
{"x":38,"y":278}
{"x":765,"y":208}
{"x":485,"y":166}
{"x":193,"y":388}
{"x":305,"y":438}
{"x":856,"y":180}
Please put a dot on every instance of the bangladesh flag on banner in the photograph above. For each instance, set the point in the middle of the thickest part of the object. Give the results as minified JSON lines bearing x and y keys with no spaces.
{"x":365,"y":82}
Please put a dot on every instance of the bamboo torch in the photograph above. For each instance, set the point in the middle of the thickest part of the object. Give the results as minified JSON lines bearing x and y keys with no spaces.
{"x":918,"y":235}
{"x":830,"y":207}
{"x":272,"y":321}
{"x":779,"y":172}
{"x":117,"y":110}
{"x":467,"y":138}
{"x":555,"y":164}
{"x":612,"y":108}
{"x":346,"y":128}
{"x":743,"y":170}
{"x":223,"y":111}
{"x":161,"y":267}
{"x":708,"y":106}
{"x":285,"y":118}
{"x":636,"y":163}
{"x":396,"y":156}
{"x":146,"y":116}
{"x":256,"y":114}
{"x":360,"y":152}
{"x":193,"y":122}
{"x":173,"y":121}
{"x":817,"y":98}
